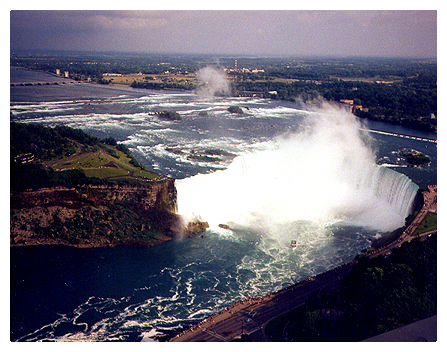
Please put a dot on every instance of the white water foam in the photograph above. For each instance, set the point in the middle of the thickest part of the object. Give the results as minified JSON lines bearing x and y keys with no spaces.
{"x":325,"y":173}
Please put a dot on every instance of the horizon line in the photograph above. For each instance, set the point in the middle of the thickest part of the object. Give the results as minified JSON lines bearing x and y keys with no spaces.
{"x":200,"y":54}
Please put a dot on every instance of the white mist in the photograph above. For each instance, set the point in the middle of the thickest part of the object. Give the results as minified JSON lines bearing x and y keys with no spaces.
{"x":323,"y":174}
{"x":213,"y":82}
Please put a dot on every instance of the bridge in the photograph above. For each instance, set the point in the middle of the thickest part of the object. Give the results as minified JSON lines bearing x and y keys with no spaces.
{"x":14,"y":84}
{"x":401,"y":135}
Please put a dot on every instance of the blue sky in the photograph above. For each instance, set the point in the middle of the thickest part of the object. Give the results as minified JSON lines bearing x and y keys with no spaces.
{"x":338,"y":33}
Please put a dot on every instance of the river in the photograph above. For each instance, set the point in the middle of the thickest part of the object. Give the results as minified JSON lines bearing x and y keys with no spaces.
{"x":130,"y":294}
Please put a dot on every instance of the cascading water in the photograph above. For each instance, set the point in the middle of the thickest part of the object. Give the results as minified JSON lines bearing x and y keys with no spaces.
{"x":396,"y":188}
{"x":325,"y":173}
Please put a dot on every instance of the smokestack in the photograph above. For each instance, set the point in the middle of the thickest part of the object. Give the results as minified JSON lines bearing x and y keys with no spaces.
{"x":235,"y":65}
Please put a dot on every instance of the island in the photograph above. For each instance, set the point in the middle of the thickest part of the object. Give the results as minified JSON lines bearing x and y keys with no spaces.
{"x":415,"y":158}
{"x":168,"y":115}
{"x":73,"y":189}
{"x":235,"y":110}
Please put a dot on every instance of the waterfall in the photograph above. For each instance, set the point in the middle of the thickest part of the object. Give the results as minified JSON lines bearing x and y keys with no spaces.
{"x":398,"y":190}
{"x":324,"y":173}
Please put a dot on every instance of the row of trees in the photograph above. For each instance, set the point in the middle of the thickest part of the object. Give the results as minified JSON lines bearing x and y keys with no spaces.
{"x":94,"y":64}
{"x":46,"y":143}
{"x":82,"y":65}
{"x":185,"y":85}
{"x":382,"y":294}
{"x":35,"y":176}
{"x":408,"y":103}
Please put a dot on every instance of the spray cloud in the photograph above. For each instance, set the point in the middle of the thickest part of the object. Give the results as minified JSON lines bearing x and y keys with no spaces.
{"x":324,"y":173}
{"x":213,"y":82}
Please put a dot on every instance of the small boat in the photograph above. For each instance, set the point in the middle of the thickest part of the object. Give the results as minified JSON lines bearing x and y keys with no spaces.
{"x":293,"y":244}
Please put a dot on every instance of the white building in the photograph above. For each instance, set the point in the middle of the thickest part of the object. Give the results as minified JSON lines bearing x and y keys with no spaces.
{"x":107,"y":74}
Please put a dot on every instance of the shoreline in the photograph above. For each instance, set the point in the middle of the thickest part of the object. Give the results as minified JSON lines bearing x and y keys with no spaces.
{"x":99,"y":244}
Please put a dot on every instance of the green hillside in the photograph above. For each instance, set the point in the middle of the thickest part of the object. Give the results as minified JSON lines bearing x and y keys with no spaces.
{"x":62,"y":156}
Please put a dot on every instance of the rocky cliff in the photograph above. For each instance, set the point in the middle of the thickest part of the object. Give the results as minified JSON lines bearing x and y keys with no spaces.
{"x":97,"y":215}
{"x":160,"y":196}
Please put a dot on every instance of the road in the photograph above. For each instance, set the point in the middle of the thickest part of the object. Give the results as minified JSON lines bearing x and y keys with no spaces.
{"x":251,"y":316}
{"x":14,"y":84}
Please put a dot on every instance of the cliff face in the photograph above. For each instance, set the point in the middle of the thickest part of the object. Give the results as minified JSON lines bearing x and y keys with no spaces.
{"x":95,"y":215}
{"x":157,"y":196}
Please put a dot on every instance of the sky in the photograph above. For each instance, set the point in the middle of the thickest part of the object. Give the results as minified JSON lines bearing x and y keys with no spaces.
{"x":333,"y":33}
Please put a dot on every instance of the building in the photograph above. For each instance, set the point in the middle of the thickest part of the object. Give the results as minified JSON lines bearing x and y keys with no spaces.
{"x":243,"y":70}
{"x":347,"y":101}
{"x":250,"y":93}
{"x":24,"y":158}
{"x":66,"y":75}
{"x":112,"y":74}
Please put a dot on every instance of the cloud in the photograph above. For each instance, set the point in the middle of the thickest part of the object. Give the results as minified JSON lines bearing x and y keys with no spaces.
{"x":273,"y":33}
{"x":129,"y":20}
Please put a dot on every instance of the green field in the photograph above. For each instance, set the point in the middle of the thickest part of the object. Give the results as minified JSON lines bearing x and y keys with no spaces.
{"x":99,"y":162}
{"x":156,"y":78}
{"x":429,"y":223}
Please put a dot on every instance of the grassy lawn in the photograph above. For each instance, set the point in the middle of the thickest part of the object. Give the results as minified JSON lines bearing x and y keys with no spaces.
{"x":81,"y":161}
{"x":105,"y":172}
{"x":429,"y":223}
{"x":128,"y":79}
{"x":99,"y":163}
{"x":145,"y":174}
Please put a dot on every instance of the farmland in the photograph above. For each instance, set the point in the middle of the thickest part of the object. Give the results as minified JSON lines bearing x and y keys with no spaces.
{"x":128,"y":79}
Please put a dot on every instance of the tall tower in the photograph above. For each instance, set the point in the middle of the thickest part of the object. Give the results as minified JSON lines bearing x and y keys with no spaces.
{"x":235,"y":65}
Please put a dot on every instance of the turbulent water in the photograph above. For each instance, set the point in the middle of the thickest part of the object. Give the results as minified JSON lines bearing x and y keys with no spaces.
{"x":276,"y":173}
